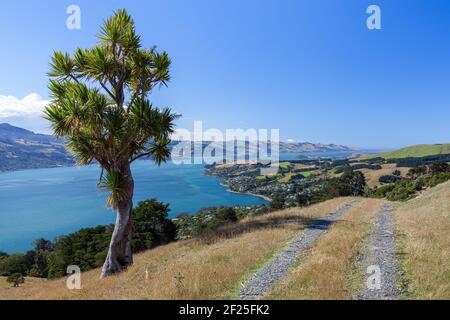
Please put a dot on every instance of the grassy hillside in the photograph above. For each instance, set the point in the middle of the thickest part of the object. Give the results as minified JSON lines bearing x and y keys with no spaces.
{"x":417,"y":151}
{"x":373,"y":176}
{"x":23,"y":149}
{"x":215,"y":267}
{"x":424,"y":228}
{"x":211,"y":268}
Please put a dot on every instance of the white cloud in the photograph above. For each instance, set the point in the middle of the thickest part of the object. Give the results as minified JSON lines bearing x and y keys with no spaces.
{"x":25,"y":113}
{"x":31,"y":105}
{"x":296,"y":141}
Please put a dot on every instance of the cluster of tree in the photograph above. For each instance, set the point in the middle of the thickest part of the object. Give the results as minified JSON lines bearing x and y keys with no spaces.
{"x":430,"y":168}
{"x":340,"y":162}
{"x":16,"y":279}
{"x":33,"y":263}
{"x":358,"y":166}
{"x":278,"y":201}
{"x":88,"y":247}
{"x":205,"y":221}
{"x":389,"y":179}
{"x":416,"y":162}
{"x":418,"y":178}
{"x":349,"y":184}
{"x":396,"y":192}
{"x":316,"y":162}
{"x":297,"y":177}
{"x":394,"y":178}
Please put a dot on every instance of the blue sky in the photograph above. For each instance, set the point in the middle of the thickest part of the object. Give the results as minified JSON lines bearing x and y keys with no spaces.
{"x":310,"y":68}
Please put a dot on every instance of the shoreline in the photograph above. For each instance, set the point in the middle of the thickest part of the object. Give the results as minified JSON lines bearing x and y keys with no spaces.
{"x":246,"y":193}
{"x":39,"y":168}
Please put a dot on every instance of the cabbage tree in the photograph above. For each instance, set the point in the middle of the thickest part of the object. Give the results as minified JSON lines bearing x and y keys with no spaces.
{"x":100,"y":106}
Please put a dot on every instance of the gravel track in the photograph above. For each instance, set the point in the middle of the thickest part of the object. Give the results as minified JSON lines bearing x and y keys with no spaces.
{"x":262,"y":281}
{"x":380,"y":252}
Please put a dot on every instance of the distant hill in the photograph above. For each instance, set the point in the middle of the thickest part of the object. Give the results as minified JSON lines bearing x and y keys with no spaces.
{"x":311,"y":147}
{"x":284,"y":147}
{"x":23,"y":149}
{"x":417,"y":151}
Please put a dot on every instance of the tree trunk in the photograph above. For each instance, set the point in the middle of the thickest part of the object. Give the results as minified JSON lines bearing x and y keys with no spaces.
{"x":119,"y":254}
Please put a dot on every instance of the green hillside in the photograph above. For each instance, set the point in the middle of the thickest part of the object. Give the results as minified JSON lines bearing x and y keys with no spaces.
{"x":23,"y":149}
{"x":417,"y":151}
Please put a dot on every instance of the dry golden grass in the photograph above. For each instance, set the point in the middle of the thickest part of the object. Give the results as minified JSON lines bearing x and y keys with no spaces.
{"x":324,"y":271}
{"x":30,"y":283}
{"x":210,"y":268}
{"x":424,"y":227}
{"x":373,"y":176}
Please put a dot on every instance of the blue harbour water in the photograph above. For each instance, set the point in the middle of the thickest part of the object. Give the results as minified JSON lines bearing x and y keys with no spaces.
{"x":53,"y":202}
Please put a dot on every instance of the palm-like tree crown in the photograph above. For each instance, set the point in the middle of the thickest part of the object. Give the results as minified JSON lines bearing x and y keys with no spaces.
{"x":100,"y":105}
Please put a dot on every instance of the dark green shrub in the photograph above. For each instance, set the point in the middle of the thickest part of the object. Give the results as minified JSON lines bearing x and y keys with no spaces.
{"x":382,"y":191}
{"x":278,"y":201}
{"x":42,"y":244}
{"x":151,"y":225}
{"x":344,"y":168}
{"x":403,"y":191}
{"x":349,"y":168}
{"x":39,"y":268}
{"x":303,"y":199}
{"x":16,"y":263}
{"x":15,"y":279}
{"x":438,"y":179}
{"x":397,"y":173}
{"x":87,"y":248}
{"x":3,"y":255}
{"x":439,"y":167}
{"x":349,"y":184}
{"x":389,"y":179}
{"x":226,"y":215}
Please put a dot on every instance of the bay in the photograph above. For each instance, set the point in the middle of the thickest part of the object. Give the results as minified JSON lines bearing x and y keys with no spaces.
{"x":53,"y":202}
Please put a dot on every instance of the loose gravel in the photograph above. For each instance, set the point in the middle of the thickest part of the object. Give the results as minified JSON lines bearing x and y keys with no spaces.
{"x":262,"y":281}
{"x":379,"y":258}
